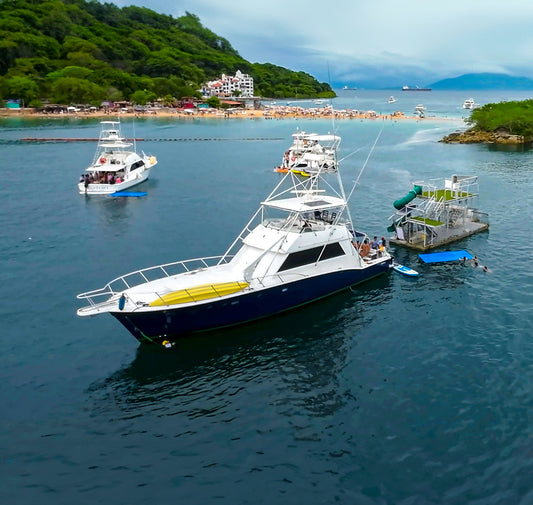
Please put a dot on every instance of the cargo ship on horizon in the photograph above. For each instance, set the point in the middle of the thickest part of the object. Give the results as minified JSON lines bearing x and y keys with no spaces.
{"x":407,"y":88}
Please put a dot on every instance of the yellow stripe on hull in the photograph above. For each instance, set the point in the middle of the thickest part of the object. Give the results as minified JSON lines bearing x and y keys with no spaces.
{"x":197,"y":293}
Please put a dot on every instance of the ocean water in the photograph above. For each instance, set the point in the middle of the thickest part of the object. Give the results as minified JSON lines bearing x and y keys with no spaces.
{"x":402,"y":391}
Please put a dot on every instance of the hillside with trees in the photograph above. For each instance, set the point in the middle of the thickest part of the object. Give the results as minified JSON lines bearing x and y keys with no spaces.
{"x":79,"y":51}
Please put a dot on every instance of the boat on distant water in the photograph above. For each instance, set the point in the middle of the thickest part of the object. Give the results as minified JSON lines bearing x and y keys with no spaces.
{"x":392,"y":99}
{"x":346,"y":88}
{"x":310,"y":153}
{"x":420,"y":110}
{"x":115,"y":166}
{"x":470,"y":104}
{"x":300,"y":246}
{"x":407,"y":88}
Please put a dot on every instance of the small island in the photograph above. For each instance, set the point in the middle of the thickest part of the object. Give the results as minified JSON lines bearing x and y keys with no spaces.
{"x":497,"y":123}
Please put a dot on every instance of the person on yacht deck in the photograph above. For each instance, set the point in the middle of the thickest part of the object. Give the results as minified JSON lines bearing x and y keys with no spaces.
{"x":365,"y":248}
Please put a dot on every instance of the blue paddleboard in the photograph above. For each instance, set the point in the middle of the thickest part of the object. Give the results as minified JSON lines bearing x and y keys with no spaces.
{"x":128,"y":193}
{"x":402,"y":269}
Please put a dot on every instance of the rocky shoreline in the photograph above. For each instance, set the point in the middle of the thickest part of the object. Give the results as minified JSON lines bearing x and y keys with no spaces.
{"x":473,"y":136}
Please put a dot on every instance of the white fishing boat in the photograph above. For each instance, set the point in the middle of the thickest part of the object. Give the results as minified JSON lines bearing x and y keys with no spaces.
{"x":299,"y":247}
{"x":469,"y":104}
{"x":310,"y":153}
{"x":420,"y":110}
{"x":115,"y":166}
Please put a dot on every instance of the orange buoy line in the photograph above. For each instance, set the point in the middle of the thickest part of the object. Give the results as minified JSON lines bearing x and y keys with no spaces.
{"x":192,"y":139}
{"x":73,"y":139}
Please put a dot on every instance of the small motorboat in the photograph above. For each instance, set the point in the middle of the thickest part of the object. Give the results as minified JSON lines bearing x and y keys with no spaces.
{"x":300,"y":246}
{"x":115,"y":166}
{"x":469,"y":104}
{"x":392,"y":99}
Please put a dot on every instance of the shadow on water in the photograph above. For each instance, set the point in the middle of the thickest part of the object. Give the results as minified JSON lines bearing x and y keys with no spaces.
{"x":303,"y":348}
{"x":115,"y":210}
{"x":509,"y":148}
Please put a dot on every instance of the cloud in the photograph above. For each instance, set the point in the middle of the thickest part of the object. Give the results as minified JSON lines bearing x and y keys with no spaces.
{"x":367,"y":39}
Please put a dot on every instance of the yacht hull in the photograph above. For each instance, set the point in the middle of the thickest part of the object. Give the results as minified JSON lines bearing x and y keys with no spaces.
{"x":173,"y":322}
{"x":108,"y":189}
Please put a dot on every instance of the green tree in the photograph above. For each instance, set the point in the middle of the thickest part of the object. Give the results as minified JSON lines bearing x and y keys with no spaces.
{"x":20,"y":87}
{"x":214,"y":102}
{"x":68,"y":90}
{"x":70,"y":71}
{"x":168,"y":101}
{"x":515,"y":117}
{"x":114,"y":94}
{"x":142,"y":97}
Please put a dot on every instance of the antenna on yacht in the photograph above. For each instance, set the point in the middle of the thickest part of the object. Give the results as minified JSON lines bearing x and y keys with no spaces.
{"x":364,"y":164}
{"x":348,"y":155}
{"x":134,"y":137}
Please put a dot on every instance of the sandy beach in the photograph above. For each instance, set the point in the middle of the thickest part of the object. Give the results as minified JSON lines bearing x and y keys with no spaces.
{"x":278,"y":112}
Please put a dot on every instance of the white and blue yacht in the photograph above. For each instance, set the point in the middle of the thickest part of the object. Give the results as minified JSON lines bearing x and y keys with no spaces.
{"x":300,"y":246}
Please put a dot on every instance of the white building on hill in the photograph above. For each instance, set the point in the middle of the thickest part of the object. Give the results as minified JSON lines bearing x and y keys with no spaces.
{"x":228,"y":84}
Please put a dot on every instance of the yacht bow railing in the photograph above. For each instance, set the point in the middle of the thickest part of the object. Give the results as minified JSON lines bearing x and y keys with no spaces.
{"x":132,"y":279}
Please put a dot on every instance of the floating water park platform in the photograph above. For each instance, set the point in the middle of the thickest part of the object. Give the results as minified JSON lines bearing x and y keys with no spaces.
{"x":437,"y":212}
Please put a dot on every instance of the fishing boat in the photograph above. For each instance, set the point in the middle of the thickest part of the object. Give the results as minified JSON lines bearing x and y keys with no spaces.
{"x":299,"y":246}
{"x":115,"y":166}
{"x":420,"y":110}
{"x":310,"y":153}
{"x":469,"y":104}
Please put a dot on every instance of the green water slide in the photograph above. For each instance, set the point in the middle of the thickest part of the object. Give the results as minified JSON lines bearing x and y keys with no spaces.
{"x":402,"y":202}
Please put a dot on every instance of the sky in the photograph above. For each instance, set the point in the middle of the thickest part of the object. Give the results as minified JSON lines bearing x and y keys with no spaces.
{"x":371,"y":43}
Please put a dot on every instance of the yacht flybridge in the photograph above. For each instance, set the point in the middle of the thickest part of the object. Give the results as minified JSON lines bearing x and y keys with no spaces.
{"x":300,"y":246}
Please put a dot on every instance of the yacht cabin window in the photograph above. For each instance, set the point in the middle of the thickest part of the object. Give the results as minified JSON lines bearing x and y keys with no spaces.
{"x":309,"y":256}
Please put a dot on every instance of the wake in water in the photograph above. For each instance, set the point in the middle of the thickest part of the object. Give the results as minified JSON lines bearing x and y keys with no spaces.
{"x":425,"y":136}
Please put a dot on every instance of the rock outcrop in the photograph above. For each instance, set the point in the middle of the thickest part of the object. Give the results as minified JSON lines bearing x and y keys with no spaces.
{"x":473,"y":136}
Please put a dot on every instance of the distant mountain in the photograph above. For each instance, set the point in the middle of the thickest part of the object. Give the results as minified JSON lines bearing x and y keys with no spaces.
{"x":484,"y":81}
